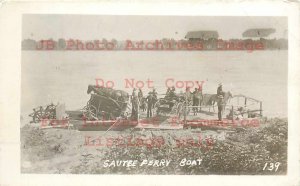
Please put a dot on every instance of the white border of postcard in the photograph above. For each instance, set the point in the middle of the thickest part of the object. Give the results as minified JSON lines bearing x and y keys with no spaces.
{"x":10,"y":73}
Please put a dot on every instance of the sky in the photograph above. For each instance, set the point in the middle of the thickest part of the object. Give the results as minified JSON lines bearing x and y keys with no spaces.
{"x":90,"y":27}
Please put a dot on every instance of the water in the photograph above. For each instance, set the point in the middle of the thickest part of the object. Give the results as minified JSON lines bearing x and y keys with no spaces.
{"x":63,"y":76}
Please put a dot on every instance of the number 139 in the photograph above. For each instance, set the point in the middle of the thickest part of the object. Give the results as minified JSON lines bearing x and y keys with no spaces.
{"x":271,"y":166}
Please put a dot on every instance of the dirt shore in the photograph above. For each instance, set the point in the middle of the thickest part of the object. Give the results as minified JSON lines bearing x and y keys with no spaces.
{"x":241,"y":150}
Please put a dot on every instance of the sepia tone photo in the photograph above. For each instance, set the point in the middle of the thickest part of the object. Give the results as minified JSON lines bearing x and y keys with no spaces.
{"x":154,"y":95}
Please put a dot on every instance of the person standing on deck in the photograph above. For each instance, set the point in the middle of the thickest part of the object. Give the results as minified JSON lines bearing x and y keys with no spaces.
{"x":140,"y":95}
{"x":155,"y":98}
{"x":196,"y":100}
{"x":135,"y":105}
{"x":150,"y":102}
{"x":220,"y":90}
{"x":172,"y":93}
{"x":220,"y":97}
{"x":188,"y":96}
{"x":167,"y":96}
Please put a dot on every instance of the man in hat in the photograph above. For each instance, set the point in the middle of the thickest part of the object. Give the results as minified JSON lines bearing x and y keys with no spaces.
{"x":150,"y":103}
{"x":34,"y":116}
{"x":219,"y":90}
{"x":196,"y":100}
{"x":188,"y":95}
{"x":155,"y":98}
{"x":167,"y":96}
{"x":172,"y":93}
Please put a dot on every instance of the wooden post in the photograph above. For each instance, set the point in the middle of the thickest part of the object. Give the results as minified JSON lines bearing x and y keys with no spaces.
{"x":200,"y":104}
{"x":184,"y":112}
{"x":138,"y":111}
{"x":97,"y":111}
{"x":232,"y":114}
{"x":261,"y":112}
{"x":245,"y":102}
{"x":185,"y":105}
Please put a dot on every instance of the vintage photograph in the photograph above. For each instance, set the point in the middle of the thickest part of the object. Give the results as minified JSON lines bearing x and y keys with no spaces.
{"x":154,"y":95}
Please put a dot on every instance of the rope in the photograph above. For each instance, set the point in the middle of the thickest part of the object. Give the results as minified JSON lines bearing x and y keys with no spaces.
{"x":111,"y":126}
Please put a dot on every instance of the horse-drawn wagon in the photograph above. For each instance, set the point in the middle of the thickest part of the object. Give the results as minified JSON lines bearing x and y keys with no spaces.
{"x":106,"y":108}
{"x":106,"y":103}
{"x":164,"y":106}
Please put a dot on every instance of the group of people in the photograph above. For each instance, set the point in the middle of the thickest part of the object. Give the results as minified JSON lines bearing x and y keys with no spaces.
{"x":191,"y":98}
{"x":139,"y":101}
